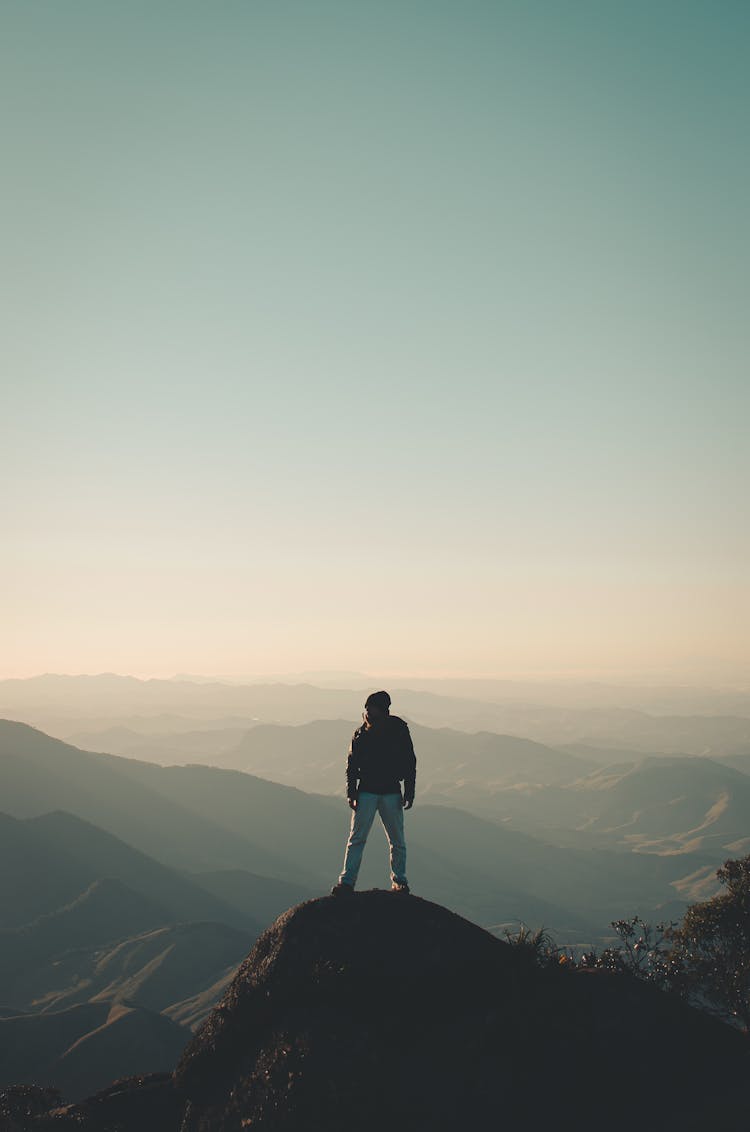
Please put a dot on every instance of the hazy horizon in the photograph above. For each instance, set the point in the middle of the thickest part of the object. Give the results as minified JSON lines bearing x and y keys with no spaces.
{"x":354,"y":680}
{"x":377,"y":338}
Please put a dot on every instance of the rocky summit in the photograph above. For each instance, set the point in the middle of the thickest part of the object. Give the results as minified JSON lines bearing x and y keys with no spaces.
{"x":386,"y":1011}
{"x":381,"y":1010}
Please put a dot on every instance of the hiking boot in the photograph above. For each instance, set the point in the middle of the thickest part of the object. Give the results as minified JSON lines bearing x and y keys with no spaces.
{"x":342,"y":889}
{"x":404,"y":888}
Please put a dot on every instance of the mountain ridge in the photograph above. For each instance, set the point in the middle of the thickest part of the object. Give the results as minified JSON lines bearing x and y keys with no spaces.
{"x":199,"y":818}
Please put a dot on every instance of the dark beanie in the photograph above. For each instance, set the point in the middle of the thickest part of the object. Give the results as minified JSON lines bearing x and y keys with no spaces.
{"x":379,"y":700}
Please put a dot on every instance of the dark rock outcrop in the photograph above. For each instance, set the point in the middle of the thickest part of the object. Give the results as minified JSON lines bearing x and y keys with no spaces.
{"x":382,"y":1011}
{"x":146,"y":1103}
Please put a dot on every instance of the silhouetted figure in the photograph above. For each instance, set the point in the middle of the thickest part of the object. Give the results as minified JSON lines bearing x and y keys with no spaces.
{"x":381,"y":756}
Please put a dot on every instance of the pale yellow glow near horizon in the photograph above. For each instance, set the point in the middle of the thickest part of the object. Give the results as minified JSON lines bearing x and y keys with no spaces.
{"x":209,"y":622}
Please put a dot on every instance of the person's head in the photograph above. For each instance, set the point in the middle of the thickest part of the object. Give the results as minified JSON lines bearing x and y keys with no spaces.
{"x":377,"y":706}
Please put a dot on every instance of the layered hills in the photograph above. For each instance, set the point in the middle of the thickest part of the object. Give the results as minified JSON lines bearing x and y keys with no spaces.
{"x":599,"y":716}
{"x":210,"y":820}
{"x":655,"y":804}
{"x":48,"y":862}
{"x":309,"y":756}
{"x":160,"y":969}
{"x":91,"y":921}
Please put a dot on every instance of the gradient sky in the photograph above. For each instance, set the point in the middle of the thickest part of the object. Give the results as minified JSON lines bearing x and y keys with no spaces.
{"x":397,"y":335}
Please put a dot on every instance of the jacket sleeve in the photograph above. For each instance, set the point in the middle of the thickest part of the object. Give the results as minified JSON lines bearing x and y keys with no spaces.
{"x":409,"y":766}
{"x":352,"y":768}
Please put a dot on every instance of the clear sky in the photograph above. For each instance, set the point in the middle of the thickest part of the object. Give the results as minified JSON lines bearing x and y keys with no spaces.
{"x":395,"y":335}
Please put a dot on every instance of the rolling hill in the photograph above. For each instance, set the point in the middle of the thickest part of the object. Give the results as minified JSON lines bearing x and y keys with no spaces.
{"x":656,"y":805}
{"x":82,"y":1049}
{"x":65,"y":847}
{"x":312,"y":757}
{"x":61,"y":955}
{"x":660,"y":805}
{"x":105,"y":911}
{"x":39,"y":774}
{"x":157,"y":969}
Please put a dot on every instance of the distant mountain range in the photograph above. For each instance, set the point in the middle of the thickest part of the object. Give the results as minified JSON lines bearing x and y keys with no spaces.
{"x":67,"y":705}
{"x":659,"y":699}
{"x":208,"y":820}
{"x":659,"y":805}
{"x":311,"y":756}
{"x":665,"y":805}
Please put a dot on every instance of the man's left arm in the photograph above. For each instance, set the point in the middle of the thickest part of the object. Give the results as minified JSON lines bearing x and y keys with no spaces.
{"x":410,"y":769}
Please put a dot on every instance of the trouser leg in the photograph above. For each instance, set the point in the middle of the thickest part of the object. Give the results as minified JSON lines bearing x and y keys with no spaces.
{"x":362,"y":819}
{"x":391,"y":813}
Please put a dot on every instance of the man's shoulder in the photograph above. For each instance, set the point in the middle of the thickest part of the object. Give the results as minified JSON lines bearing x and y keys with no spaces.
{"x":400,"y":724}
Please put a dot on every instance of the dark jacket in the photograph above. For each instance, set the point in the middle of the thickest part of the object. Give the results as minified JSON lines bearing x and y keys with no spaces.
{"x":379,"y":758}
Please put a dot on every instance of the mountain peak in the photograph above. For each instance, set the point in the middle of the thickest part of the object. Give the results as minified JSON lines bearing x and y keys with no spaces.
{"x":383,"y":1010}
{"x":359,"y":948}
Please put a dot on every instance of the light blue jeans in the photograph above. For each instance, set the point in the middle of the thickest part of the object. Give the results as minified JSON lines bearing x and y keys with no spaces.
{"x":391,"y":811}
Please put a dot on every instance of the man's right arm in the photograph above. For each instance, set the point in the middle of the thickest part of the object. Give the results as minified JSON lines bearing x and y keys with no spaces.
{"x":352,"y":770}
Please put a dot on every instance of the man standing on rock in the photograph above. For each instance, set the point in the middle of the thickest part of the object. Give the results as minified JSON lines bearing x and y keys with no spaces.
{"x":381,"y":756}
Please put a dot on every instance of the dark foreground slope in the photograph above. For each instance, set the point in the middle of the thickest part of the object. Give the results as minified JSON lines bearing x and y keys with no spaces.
{"x":385,"y":1011}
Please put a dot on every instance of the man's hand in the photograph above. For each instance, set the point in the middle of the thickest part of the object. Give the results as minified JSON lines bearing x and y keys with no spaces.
{"x":352,"y":803}
{"x":408,"y":803}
